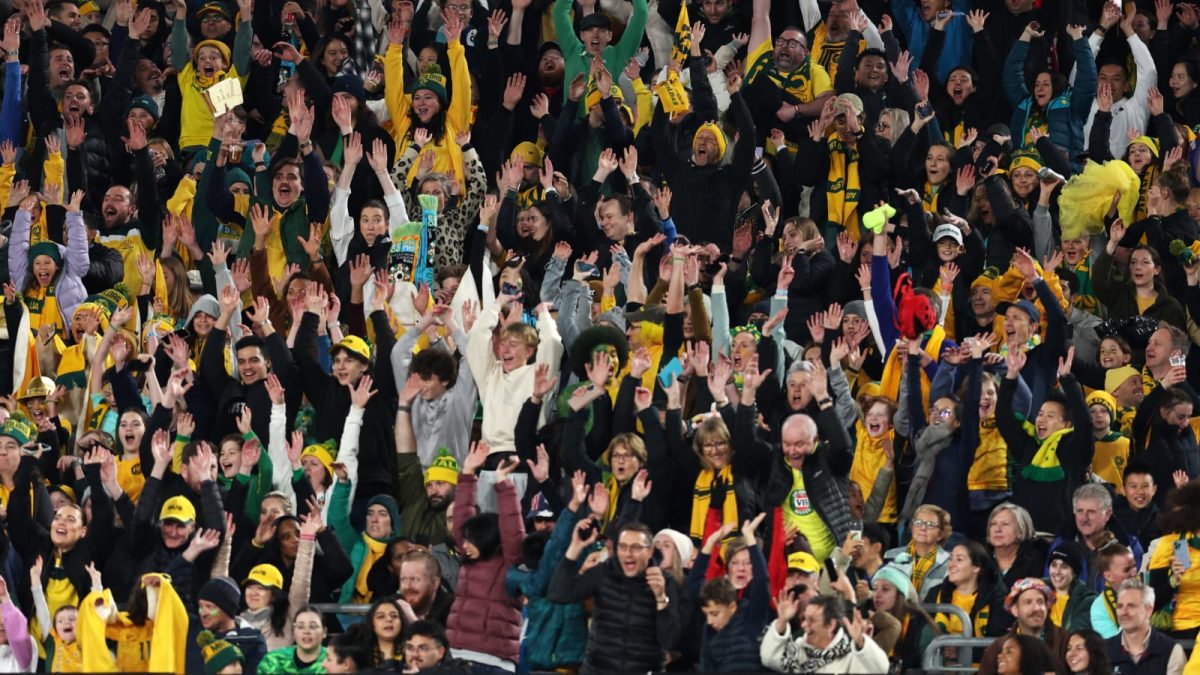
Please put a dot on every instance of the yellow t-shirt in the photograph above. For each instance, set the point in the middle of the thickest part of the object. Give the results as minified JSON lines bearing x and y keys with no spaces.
{"x":130,"y":478}
{"x":951,"y":622}
{"x":804,"y":84}
{"x":869,"y":460}
{"x":1060,"y":606}
{"x":1187,"y":595}
{"x":1144,"y":303}
{"x":799,"y":513}
{"x":989,"y":469}
{"x":1110,"y":459}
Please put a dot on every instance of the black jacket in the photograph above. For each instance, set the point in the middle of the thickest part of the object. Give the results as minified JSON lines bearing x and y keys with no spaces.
{"x":1155,"y":660}
{"x":1168,"y":449}
{"x":627,"y":634}
{"x":1141,"y":524}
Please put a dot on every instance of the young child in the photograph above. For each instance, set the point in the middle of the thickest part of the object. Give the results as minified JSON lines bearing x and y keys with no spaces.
{"x":1112,"y":449}
{"x":733,"y":628}
{"x":57,"y":637}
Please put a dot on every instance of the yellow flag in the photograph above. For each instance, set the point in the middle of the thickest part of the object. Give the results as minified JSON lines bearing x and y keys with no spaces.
{"x":672,"y":94}
{"x":683,"y":35}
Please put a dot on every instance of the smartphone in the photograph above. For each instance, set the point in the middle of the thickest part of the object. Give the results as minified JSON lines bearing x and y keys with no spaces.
{"x":925,"y":109}
{"x":656,"y":559}
{"x":668,"y":373}
{"x":832,"y":570}
{"x":1178,"y":360}
{"x":1182,"y":554}
{"x":592,"y":271}
{"x":758,"y":153}
{"x":510,"y":289}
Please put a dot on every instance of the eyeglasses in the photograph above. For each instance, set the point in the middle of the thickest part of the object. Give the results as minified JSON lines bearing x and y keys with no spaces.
{"x":631,"y":548}
{"x":621,"y":456}
{"x":919,"y":524}
{"x":213,"y":18}
{"x":790,"y":44}
{"x":715,"y":445}
{"x":941,"y":412}
{"x":420,"y":649}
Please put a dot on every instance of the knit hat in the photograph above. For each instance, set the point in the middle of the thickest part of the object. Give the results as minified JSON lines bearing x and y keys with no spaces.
{"x":235,"y":175}
{"x":323,"y":455}
{"x":145,"y":103}
{"x":88,"y":8}
{"x":444,"y":468}
{"x":715,"y":130}
{"x":896,"y":577}
{"x":265,"y":575}
{"x":855,"y":308}
{"x":349,"y":84}
{"x":355,"y":346}
{"x":593,"y":338}
{"x":1150,"y":143}
{"x":215,"y":44}
{"x":987,"y":278}
{"x":529,"y":152}
{"x":1115,"y":377}
{"x":431,"y":79}
{"x":683,"y":543}
{"x":48,"y":249}
{"x":205,"y":303}
{"x":1028,"y":584}
{"x":17,"y":428}
{"x":178,"y":508}
{"x":1105,"y":399}
{"x":1070,"y":553}
{"x":224,"y":593}
{"x":388,"y":502}
{"x":1026,"y":159}
{"x":217,"y":653}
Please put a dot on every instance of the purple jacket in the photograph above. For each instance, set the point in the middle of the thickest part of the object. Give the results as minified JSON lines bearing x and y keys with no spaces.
{"x":68,"y":286}
{"x":484,"y":617}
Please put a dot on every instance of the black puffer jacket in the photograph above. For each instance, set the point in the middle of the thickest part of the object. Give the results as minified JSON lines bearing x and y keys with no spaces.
{"x":628,"y":634}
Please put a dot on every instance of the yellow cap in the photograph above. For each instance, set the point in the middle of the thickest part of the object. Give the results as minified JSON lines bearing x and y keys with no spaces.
{"x":265,"y":575}
{"x":803,"y":561}
{"x":529,"y":152}
{"x":355,"y":345}
{"x":178,"y":508}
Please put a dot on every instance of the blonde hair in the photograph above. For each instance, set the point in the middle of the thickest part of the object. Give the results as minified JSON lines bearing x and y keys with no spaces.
{"x":711,"y":429}
{"x":632,"y":442}
{"x":945,"y":527}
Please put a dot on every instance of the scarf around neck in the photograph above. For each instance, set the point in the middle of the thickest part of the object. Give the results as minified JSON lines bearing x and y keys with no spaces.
{"x":818,"y":660}
{"x":708,"y":483}
{"x":928,"y":444}
{"x":1045,"y":466}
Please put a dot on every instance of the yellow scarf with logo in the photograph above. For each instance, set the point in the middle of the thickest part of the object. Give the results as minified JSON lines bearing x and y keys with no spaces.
{"x":158,"y":646}
{"x":842,"y":188}
{"x":43,"y":308}
{"x":706,"y":483}
{"x":929,"y":197}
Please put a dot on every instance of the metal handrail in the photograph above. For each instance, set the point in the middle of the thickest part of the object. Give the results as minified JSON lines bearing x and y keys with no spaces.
{"x":336,"y":608}
{"x":931,"y":661}
{"x":940,"y":608}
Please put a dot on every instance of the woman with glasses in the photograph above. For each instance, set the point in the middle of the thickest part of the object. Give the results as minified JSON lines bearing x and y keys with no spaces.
{"x":945,"y":442}
{"x":305,"y":656}
{"x":924,"y":560}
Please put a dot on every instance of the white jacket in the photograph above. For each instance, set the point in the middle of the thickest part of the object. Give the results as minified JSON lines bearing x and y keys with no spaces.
{"x":782,"y":654}
{"x":1129,"y":112}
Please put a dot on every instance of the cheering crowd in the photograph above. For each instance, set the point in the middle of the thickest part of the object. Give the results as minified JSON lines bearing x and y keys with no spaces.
{"x":600,"y":336}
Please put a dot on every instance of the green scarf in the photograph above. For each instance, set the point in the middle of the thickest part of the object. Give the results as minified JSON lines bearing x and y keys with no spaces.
{"x":1045,"y":467}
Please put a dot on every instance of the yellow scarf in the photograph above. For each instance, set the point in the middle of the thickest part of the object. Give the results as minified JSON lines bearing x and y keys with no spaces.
{"x":989,"y":469}
{"x":929,"y":197}
{"x":375,"y":551}
{"x":889,"y":384}
{"x":158,"y":646}
{"x":869,"y":459}
{"x":1045,"y":466}
{"x":43,"y":308}
{"x":921,"y":565}
{"x":181,"y":202}
{"x":842,"y":188}
{"x":702,"y":493}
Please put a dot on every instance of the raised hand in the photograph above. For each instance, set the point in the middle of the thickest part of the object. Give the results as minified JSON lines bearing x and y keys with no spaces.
{"x":362,"y":392}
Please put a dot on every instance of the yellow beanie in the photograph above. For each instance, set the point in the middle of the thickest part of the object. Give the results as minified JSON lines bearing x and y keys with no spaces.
{"x":715,"y":130}
{"x":444,"y":468}
{"x":322,"y":454}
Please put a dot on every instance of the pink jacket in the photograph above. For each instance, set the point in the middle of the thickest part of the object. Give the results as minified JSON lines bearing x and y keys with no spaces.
{"x":484,"y":617}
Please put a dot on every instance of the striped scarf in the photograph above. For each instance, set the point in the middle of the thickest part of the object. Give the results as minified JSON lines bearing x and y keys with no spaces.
{"x":709,"y":483}
{"x":929,"y":197}
{"x":1045,"y":466}
{"x":921,"y":565}
{"x":842,"y":187}
{"x":1086,"y":299}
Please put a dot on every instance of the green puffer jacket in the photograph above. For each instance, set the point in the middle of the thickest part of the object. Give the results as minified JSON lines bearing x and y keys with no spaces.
{"x":284,"y":661}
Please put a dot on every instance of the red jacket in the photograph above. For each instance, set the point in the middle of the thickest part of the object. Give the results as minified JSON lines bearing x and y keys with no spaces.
{"x":484,"y":617}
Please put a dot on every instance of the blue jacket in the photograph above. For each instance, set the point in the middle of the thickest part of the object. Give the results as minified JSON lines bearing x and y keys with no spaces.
{"x":957,"y":48}
{"x":1066,"y":112}
{"x":556,"y":634}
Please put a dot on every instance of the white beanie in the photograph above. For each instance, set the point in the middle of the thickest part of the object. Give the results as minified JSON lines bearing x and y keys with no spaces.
{"x":683,"y":544}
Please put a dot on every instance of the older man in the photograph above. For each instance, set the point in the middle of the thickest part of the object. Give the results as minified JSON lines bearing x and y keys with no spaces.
{"x":1138,"y":648}
{"x":1093,"y":529}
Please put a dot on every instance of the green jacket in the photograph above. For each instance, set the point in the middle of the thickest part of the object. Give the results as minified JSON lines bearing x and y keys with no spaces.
{"x":417,"y":518}
{"x":283,"y":660}
{"x":1078,"y":613}
{"x":616,"y":57}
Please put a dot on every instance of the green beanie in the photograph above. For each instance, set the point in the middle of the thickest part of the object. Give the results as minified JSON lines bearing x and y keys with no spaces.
{"x":48,"y":249}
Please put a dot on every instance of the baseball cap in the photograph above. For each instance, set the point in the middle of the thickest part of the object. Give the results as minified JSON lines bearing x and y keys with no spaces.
{"x":178,"y":508}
